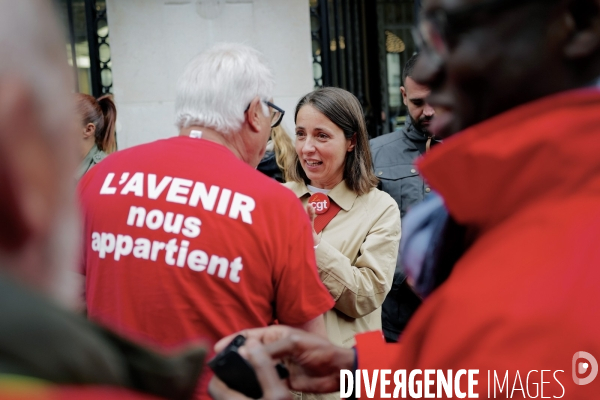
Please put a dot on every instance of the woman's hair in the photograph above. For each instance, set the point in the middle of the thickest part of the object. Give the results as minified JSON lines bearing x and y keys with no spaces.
{"x":284,"y":151}
{"x":103,"y":114}
{"x":343,"y":109}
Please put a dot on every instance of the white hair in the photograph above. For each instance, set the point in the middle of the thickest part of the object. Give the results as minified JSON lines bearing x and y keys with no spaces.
{"x":219,"y":84}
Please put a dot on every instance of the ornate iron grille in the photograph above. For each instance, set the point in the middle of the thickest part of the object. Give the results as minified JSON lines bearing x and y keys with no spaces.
{"x":100,"y":65}
{"x":89,"y":44}
{"x":341,"y":55}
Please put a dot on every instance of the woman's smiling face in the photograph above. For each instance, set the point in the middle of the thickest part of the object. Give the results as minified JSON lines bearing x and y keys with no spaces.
{"x":321,"y":147}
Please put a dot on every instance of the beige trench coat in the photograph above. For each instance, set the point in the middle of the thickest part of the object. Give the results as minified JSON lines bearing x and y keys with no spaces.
{"x":356,"y":259}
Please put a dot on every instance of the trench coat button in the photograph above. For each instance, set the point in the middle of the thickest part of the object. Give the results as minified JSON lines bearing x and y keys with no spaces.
{"x":380,"y":173}
{"x":413,"y":170}
{"x":427,"y":190}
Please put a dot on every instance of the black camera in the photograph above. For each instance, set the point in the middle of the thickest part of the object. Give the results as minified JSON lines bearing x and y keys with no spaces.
{"x":237,"y":373}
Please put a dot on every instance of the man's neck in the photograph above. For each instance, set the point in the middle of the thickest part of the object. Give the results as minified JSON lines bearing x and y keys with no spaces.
{"x":231,"y":141}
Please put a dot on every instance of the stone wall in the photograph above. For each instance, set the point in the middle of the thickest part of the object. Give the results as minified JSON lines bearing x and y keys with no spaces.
{"x":152,"y":41}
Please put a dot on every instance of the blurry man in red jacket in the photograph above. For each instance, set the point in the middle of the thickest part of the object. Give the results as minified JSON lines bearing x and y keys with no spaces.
{"x":507,"y":255}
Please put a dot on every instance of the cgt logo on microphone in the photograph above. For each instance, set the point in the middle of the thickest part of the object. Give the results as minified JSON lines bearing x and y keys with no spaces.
{"x":582,"y":367}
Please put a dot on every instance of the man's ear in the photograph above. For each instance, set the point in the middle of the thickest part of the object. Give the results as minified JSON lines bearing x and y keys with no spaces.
{"x":352,"y":144}
{"x":253,"y":114}
{"x":583,"y":23}
{"x":26,"y":176}
{"x":403,"y":92}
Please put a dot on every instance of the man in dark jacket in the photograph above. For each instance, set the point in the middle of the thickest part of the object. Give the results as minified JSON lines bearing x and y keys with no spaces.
{"x":44,"y":347}
{"x":394,"y":155}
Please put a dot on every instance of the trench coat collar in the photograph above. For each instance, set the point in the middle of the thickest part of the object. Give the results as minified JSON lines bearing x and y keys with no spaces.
{"x":341,"y":193}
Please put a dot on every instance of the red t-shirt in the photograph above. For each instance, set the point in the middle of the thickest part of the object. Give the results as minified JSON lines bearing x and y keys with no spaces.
{"x":183,"y":241}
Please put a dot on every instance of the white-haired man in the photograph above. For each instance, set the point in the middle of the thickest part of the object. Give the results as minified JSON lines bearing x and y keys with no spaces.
{"x":184,"y":238}
{"x":42,"y":344}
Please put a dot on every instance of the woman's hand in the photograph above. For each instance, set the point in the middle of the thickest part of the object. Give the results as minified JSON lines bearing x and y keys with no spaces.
{"x":312,"y":214}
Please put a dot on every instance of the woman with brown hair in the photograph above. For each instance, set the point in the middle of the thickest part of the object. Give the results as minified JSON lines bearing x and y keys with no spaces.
{"x":357,"y":226}
{"x":98,"y":118}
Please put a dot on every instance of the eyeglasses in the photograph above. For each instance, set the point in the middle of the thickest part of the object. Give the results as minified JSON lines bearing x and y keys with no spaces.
{"x":438,"y":29}
{"x":276,"y":115}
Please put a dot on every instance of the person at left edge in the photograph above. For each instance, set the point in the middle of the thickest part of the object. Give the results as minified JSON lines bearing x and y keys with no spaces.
{"x":184,"y":239}
{"x":357,"y":249}
{"x":47,"y":350}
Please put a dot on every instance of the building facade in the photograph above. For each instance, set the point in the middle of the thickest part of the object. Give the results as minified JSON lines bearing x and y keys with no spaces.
{"x":136,"y":49}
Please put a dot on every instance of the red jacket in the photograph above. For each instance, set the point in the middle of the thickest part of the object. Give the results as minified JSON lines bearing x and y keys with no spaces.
{"x":526,"y":295}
